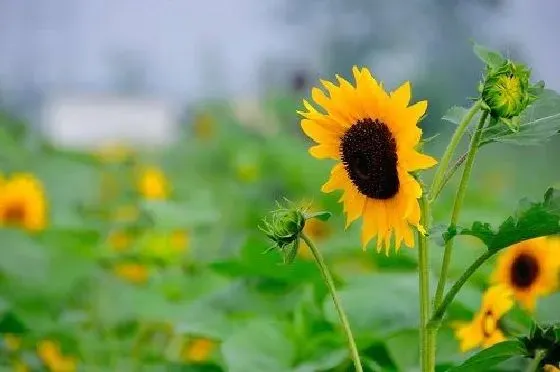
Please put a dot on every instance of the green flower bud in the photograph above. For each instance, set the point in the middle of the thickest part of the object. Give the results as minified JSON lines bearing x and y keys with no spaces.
{"x":285,"y":227}
{"x":506,"y":90}
{"x":545,"y":340}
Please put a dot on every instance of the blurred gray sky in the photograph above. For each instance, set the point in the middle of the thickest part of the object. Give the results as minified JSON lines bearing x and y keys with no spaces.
{"x":187,"y":49}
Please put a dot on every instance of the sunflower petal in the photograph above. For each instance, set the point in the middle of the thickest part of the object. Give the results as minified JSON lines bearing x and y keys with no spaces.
{"x":353,"y":204}
{"x":415,"y":161}
{"x":401,"y":96}
{"x":417,"y":110}
{"x":325,"y":151}
{"x":319,"y":133}
{"x":337,"y":181}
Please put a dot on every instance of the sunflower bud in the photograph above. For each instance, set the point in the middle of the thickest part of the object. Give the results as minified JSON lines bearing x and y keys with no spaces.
{"x":506,"y":92}
{"x":285,"y":227}
{"x":545,"y":340}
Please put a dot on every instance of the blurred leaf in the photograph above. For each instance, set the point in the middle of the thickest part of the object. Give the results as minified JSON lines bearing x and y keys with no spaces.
{"x":492,"y":356}
{"x":22,"y":259}
{"x":531,"y":220}
{"x":324,"y":362}
{"x":10,"y":323}
{"x":261,"y":345}
{"x":173,"y":215}
{"x":393,"y":307}
{"x":492,"y":58}
{"x":323,"y":215}
{"x":539,"y":122}
{"x":456,"y":114}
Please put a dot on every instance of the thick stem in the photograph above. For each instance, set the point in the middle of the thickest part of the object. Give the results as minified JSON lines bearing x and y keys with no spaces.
{"x":439,"y":177}
{"x":458,"y":203}
{"x":427,"y":351}
{"x":341,"y":314}
{"x":534,"y":365}
{"x":440,"y":309}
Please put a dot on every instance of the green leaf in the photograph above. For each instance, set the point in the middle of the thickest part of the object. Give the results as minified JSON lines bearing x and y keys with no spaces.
{"x":261,"y":345}
{"x":455,"y":115}
{"x":391,"y":312}
{"x":531,"y":220}
{"x":492,"y":356}
{"x":539,"y":122}
{"x":492,"y":58}
{"x":172,"y":215}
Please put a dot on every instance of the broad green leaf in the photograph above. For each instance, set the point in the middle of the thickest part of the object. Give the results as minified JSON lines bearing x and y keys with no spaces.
{"x":172,"y":215}
{"x":323,"y":215}
{"x":22,"y":259}
{"x":539,"y":122}
{"x":391,"y":310}
{"x":531,"y":220}
{"x":262,"y":345}
{"x":455,"y":114}
{"x":492,"y":58}
{"x":492,"y":356}
{"x":326,"y":361}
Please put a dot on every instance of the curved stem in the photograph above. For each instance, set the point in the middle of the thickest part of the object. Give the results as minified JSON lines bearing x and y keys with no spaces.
{"x":427,"y":352}
{"x":437,"y":182}
{"x":458,"y":203}
{"x":534,"y":365}
{"x":341,"y":314}
{"x":440,"y":309}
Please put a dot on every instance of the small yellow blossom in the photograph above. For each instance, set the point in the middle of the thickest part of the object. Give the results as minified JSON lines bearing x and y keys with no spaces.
{"x":12,"y":342}
{"x":152,"y":184}
{"x":484,"y":329}
{"x":22,"y":202}
{"x":132,"y":272}
{"x":198,"y":350}
{"x":52,"y":357}
{"x":119,"y":241}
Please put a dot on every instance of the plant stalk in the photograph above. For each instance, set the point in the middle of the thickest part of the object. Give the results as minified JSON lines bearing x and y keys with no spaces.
{"x":338,"y":306}
{"x":534,"y":365}
{"x":427,"y":352}
{"x":439,"y":177}
{"x":457,"y":205}
{"x":441,"y":308}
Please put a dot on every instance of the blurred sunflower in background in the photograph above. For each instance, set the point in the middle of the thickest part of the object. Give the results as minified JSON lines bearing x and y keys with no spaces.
{"x":23,"y":203}
{"x":530,"y":269}
{"x":484,"y":329}
{"x":198,"y":350}
{"x":152,"y":183}
{"x":132,"y":272}
{"x":204,"y":126}
{"x":49,"y":352}
{"x":373,"y":136}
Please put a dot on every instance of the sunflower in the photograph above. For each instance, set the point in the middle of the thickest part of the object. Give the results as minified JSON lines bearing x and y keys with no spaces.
{"x":484,"y":328}
{"x":529,"y":269}
{"x":132,"y":272}
{"x":52,"y":357}
{"x":373,"y":136}
{"x":22,"y":202}
{"x":152,"y":184}
{"x":198,"y":350}
{"x":551,"y":368}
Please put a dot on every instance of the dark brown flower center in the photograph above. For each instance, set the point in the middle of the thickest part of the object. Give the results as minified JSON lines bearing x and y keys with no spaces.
{"x":524,"y":270}
{"x":369,"y":154}
{"x":14,"y":214}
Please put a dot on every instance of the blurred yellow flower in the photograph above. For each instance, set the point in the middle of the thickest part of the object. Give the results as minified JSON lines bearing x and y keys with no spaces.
{"x":317,"y":230}
{"x":152,"y":184}
{"x":114,"y":152}
{"x":247,"y":172}
{"x":550,"y":368}
{"x":198,"y":350}
{"x":529,"y":268}
{"x":22,"y":202}
{"x":126,"y":213}
{"x":179,"y":240}
{"x":12,"y":342}
{"x":52,"y":357}
{"x":119,"y":240}
{"x":133,"y":272}
{"x":483,"y":330}
{"x":203,"y":126}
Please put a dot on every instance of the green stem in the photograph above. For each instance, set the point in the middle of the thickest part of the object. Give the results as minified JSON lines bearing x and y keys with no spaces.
{"x":534,"y":365}
{"x":439,"y":177}
{"x":338,"y":306}
{"x":440,"y":310}
{"x":458,"y":203}
{"x":426,"y":344}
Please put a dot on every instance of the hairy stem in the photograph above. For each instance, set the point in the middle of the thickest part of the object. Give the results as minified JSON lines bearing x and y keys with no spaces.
{"x":438,"y":181}
{"x":336,"y":301}
{"x":457,"y":205}
{"x":534,"y":365}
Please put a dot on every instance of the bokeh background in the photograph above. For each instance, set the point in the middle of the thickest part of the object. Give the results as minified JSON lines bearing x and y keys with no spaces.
{"x":163,"y":131}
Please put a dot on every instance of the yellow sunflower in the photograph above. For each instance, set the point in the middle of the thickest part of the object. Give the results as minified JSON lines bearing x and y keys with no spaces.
{"x":52,"y":357}
{"x":529,"y":269}
{"x":152,"y":184}
{"x":373,"y":136}
{"x":22,"y":202}
{"x":132,"y":272}
{"x":551,"y":368}
{"x":198,"y":350}
{"x":484,"y":329}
